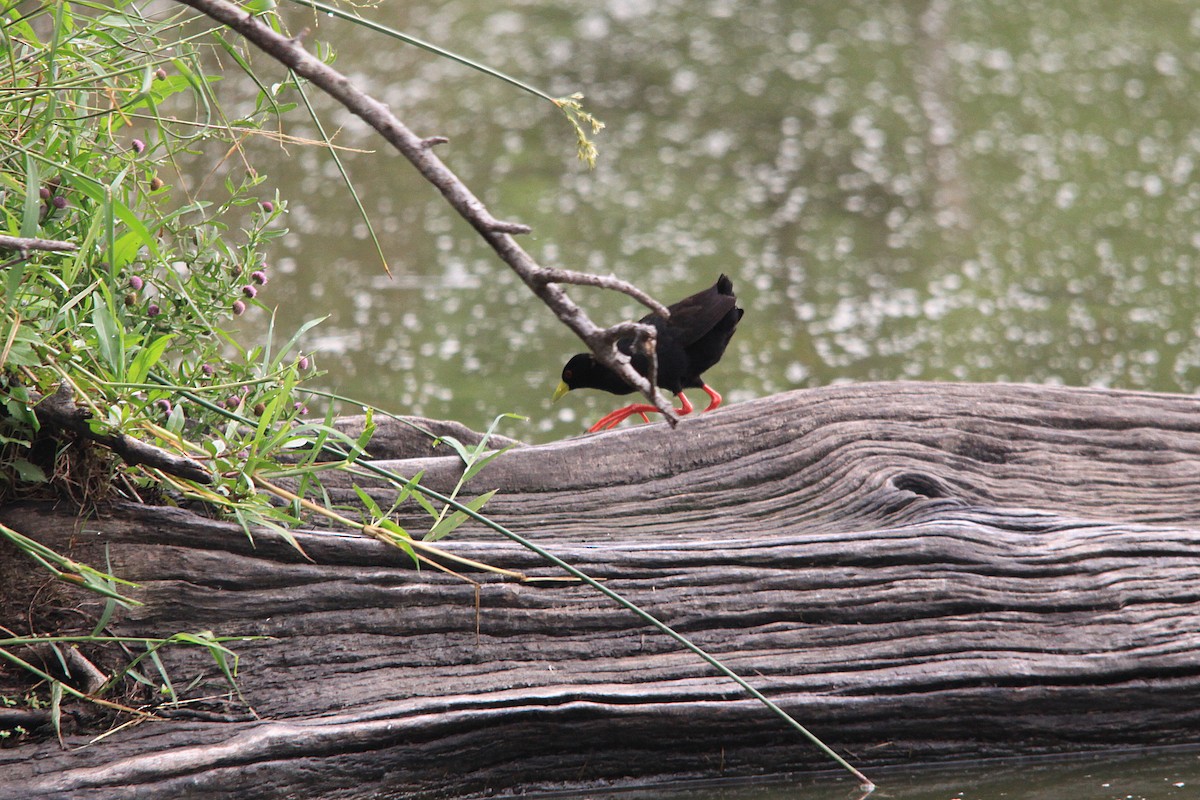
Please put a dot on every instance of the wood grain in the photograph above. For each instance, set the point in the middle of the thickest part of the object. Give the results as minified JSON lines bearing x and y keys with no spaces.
{"x":915,"y":571}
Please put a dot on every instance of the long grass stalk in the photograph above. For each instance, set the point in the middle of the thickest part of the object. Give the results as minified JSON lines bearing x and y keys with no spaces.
{"x":334,"y":11}
{"x":866,"y":784}
{"x":571,"y":106}
{"x":341,"y":168}
{"x":366,"y":466}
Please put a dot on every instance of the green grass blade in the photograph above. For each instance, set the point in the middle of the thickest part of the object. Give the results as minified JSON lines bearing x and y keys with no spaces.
{"x":644,"y":615}
{"x":333,"y":11}
{"x":337,"y":161}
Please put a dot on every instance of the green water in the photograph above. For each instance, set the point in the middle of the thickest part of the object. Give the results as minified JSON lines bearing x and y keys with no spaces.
{"x":962,"y":191}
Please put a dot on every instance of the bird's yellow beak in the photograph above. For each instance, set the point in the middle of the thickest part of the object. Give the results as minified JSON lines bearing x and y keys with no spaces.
{"x":560,"y":391}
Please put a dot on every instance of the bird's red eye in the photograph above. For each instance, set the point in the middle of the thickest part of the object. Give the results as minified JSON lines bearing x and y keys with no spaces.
{"x":567,"y":375}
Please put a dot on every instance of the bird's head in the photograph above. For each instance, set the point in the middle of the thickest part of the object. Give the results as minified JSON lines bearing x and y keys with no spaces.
{"x":576,"y":374}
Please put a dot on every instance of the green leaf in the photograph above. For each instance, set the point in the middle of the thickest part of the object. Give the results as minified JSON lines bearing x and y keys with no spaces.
{"x":176,"y":420}
{"x":103,"y":197}
{"x":33,"y":201}
{"x":125,"y":248}
{"x":220,"y":654}
{"x":368,"y":501}
{"x":110,"y":607}
{"x":457,"y":446}
{"x":147,"y":357}
{"x":447,"y":525}
{"x":423,"y":502}
{"x":360,"y":444}
{"x":303,"y":329}
{"x":28,"y":472}
{"x":401,"y":539}
{"x":407,"y":489}
{"x":20,"y":408}
{"x":391,"y":526}
{"x":109,"y":338}
{"x":162,"y":673}
{"x":12,"y":283}
{"x":56,"y":693}
{"x":283,"y":531}
{"x":479,"y":463}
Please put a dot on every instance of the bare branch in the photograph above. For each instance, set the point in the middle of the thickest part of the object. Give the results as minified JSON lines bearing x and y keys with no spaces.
{"x":58,"y":410}
{"x":23,"y":243}
{"x":510,"y":227}
{"x":552,"y":275}
{"x":496,"y":233}
{"x":645,"y":339}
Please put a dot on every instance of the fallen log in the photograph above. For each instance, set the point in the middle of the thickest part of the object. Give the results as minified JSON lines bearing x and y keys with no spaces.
{"x":914,"y":571}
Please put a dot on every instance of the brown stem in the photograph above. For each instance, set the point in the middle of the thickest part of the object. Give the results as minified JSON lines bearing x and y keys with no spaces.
{"x":24,"y":243}
{"x":58,"y":410}
{"x":552,"y":275}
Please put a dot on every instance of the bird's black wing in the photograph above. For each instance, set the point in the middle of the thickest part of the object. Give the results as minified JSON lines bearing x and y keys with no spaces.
{"x":693,"y":317}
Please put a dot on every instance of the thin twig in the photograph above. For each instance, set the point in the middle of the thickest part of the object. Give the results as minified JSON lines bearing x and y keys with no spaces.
{"x":497,"y":233}
{"x":553,"y":275}
{"x":25,"y":243}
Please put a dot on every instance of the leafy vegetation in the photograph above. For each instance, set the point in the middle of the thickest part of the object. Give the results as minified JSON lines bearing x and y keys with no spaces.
{"x":102,"y":109}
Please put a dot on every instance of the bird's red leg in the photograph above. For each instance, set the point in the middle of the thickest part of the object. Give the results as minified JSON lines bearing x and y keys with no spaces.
{"x":716,"y":398}
{"x":615,"y":418}
{"x":685,"y":407}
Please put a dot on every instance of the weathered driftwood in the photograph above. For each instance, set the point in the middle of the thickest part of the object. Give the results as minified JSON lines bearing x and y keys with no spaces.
{"x":915,"y":571}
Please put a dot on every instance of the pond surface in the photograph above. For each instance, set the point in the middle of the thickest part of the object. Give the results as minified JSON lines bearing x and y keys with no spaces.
{"x":964,"y":191}
{"x":1163,"y":775}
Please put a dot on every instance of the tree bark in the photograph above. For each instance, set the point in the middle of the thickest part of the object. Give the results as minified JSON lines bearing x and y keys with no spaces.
{"x":914,"y":571}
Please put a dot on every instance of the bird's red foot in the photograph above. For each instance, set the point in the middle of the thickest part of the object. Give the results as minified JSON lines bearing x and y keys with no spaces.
{"x":712,"y":393}
{"x":615,"y":418}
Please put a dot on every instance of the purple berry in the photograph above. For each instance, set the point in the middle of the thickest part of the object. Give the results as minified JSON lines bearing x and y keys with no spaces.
{"x":164,"y":404}
{"x":138,"y":146}
{"x":207,"y":369}
{"x":303,"y":363}
{"x":239,"y":308}
{"x":249,"y":291}
{"x":44,"y":193}
{"x":268,"y":206}
{"x":153,"y":310}
{"x":259,"y":277}
{"x":136,"y":283}
{"x":160,"y":73}
{"x":59,"y":201}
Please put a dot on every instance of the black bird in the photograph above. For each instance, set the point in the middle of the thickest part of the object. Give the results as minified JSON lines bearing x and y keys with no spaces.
{"x":693,"y":339}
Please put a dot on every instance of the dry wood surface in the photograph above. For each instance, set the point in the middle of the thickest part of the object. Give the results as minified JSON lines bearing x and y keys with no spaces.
{"x":914,"y":571}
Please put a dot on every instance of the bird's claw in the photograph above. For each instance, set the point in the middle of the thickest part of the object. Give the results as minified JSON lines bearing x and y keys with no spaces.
{"x":614,"y":418}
